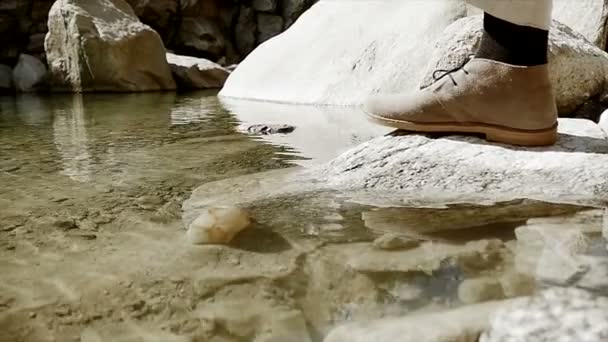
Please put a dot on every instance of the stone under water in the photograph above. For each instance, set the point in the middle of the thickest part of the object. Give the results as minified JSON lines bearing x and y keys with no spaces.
{"x":218,"y":225}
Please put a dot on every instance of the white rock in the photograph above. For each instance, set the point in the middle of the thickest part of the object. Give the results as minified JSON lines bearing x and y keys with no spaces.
{"x":196,"y":73}
{"x":340,"y":51}
{"x":578,"y":68}
{"x":558,"y":314}
{"x":218,"y":225}
{"x":462,"y":324}
{"x":97,"y":45}
{"x":396,"y":168}
{"x":28,"y":73}
{"x":605,"y":225}
{"x":604,"y":122}
{"x":596,"y":278}
{"x":6,"y":78}
{"x":587,"y":17}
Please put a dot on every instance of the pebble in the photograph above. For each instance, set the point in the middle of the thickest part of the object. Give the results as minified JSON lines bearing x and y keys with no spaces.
{"x":218,"y":225}
{"x":392,"y":242}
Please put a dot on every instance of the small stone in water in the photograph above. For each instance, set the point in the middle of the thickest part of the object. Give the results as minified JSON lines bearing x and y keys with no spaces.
{"x":479,"y":290}
{"x":392,"y":242}
{"x":270,"y":129}
{"x":218,"y":225}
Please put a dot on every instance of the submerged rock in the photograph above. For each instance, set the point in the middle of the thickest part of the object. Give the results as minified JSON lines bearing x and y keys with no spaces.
{"x":405,"y":167}
{"x":462,"y":324}
{"x":558,"y":314}
{"x":391,"y":242}
{"x":480,"y":290}
{"x":217,"y":225}
{"x":196,"y":73}
{"x":102,"y":46}
{"x":29,"y":73}
{"x":577,"y":67}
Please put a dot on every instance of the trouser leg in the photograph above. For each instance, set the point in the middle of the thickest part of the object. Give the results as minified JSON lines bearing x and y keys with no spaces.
{"x":534,"y":13}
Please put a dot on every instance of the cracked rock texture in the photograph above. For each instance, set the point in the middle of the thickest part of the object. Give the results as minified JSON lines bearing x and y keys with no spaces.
{"x":396,"y":167}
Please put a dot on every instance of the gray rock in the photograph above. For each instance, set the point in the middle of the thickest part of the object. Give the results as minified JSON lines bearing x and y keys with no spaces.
{"x":558,"y":314}
{"x":29,"y":73}
{"x":578,"y":68}
{"x":400,"y":167}
{"x":270,"y":129}
{"x":201,"y":37}
{"x":268,"y":26}
{"x":6,"y":78}
{"x":462,"y":324}
{"x":196,"y":73}
{"x":264,"y":5}
{"x":93,"y":46}
{"x":245,"y":30}
{"x":586,"y":17}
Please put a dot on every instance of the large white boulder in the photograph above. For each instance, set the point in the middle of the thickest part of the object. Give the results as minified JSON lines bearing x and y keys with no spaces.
{"x":340,"y":51}
{"x":100,"y":45}
{"x":588,"y":17}
{"x":398,"y":167}
{"x":578,"y":68}
{"x":29,"y":73}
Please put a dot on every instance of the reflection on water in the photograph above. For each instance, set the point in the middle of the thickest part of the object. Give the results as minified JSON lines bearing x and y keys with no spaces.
{"x":70,"y":137}
{"x":118,"y":167}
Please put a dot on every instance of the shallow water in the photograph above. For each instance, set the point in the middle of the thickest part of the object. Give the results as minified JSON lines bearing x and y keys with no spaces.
{"x":91,"y":189}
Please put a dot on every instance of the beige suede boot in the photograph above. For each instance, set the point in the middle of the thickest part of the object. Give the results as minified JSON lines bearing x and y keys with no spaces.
{"x":506,"y":103}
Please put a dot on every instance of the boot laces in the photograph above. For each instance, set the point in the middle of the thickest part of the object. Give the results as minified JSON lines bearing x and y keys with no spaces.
{"x":448,"y":72}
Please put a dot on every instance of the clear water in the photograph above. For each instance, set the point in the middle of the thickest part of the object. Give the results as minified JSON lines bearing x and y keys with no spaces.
{"x":91,"y":189}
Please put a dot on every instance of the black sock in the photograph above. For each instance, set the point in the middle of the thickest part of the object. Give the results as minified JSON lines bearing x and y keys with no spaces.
{"x":512,"y":44}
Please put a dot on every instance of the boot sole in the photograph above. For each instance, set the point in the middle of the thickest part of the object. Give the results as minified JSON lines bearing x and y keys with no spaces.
{"x":511,"y":136}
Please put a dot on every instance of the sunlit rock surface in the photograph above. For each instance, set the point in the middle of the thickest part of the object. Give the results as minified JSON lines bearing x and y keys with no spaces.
{"x":340,"y":51}
{"x":102,"y":46}
{"x":557,"y":314}
{"x":587,"y":17}
{"x":196,"y":73}
{"x":467,"y":169}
